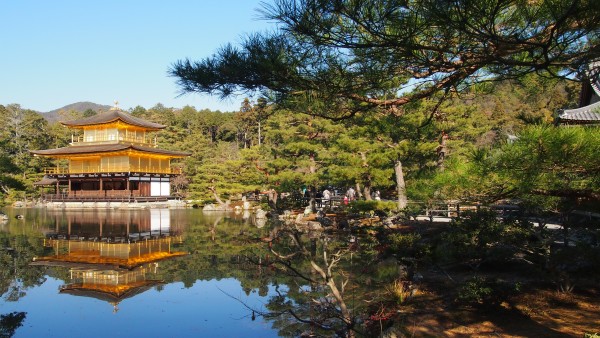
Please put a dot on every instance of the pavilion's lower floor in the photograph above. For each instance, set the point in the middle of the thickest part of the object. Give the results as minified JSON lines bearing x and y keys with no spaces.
{"x":106,"y":187}
{"x":99,"y":198}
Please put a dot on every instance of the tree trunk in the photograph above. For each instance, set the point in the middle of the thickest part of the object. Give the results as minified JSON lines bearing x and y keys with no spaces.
{"x":215,"y":195}
{"x":346,"y":315}
{"x":312,"y":193}
{"x":400,"y":185}
{"x":312,"y":202}
{"x":259,"y":136}
{"x":325,"y":271}
{"x":367,"y":192}
{"x":330,"y":281}
{"x":367,"y":188}
{"x":442,"y":151}
{"x":312,"y":168}
{"x":272,"y":196}
{"x":359,"y":194}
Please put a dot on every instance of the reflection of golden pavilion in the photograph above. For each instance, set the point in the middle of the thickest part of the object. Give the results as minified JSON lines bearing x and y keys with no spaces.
{"x":108,"y":225}
{"x":124,"y":255}
{"x":113,"y":257}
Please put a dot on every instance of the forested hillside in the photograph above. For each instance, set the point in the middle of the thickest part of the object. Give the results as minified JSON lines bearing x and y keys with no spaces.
{"x":259,"y":147}
{"x":82,"y":107}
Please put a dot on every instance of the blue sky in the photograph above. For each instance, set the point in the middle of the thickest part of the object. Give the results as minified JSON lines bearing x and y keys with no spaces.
{"x":54,"y":53}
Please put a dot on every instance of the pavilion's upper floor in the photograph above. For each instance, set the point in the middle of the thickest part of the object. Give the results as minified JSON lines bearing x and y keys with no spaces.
{"x":113,"y":126}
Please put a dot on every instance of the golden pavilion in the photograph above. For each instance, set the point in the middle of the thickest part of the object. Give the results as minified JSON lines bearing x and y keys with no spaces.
{"x":114,"y":159}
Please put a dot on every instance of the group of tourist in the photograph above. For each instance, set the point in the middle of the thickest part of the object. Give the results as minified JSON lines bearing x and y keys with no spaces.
{"x":324,"y":197}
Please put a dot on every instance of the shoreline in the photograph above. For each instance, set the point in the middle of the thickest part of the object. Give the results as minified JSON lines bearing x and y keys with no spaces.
{"x":104,"y":205}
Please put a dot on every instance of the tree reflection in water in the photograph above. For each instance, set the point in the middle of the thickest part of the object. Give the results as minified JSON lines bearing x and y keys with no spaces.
{"x":9,"y":323}
{"x":319,"y":277}
{"x":315,"y":279}
{"x":16,"y":276}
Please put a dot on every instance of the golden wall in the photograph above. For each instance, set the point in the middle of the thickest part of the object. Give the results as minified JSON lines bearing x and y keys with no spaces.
{"x":123,"y":163}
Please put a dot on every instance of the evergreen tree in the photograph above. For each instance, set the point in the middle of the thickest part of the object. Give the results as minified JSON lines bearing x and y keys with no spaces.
{"x":299,"y":145}
{"x":355,"y":54}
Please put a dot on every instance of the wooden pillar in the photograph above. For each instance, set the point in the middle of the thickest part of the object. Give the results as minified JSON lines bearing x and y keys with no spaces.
{"x":102,"y":186}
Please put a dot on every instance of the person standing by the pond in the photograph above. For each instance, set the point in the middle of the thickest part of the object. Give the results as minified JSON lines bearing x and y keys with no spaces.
{"x":326,"y":196}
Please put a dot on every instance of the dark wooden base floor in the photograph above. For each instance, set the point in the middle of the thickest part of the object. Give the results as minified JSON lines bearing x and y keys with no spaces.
{"x":126,"y":199}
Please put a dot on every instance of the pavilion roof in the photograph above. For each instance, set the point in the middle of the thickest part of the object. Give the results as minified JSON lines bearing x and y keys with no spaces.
{"x":113,"y":115}
{"x":95,"y":259}
{"x":587,"y":114}
{"x":109,"y":293}
{"x":45,"y":181}
{"x":106,"y":148}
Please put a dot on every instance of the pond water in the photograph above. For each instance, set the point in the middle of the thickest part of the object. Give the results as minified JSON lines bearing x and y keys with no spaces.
{"x":133,"y":273}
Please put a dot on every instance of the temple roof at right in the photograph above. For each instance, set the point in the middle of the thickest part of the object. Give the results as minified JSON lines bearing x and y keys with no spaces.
{"x":586,"y":114}
{"x":589,"y":101}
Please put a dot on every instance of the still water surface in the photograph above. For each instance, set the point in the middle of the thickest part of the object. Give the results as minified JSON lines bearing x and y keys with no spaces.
{"x":132,"y":273}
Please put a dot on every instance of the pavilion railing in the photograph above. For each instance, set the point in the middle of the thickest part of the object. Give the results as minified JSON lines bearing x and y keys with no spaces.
{"x":82,"y":140}
{"x":112,"y":169}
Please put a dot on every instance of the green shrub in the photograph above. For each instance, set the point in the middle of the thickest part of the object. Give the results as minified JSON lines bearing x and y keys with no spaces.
{"x":475,"y":290}
{"x":413,"y":210}
{"x":387,"y":270}
{"x":481,"y":236}
{"x":480,"y":290}
{"x":404,"y":244}
{"x":364,"y":207}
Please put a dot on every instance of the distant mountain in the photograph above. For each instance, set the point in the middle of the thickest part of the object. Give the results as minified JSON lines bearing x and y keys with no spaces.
{"x":54,"y":115}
